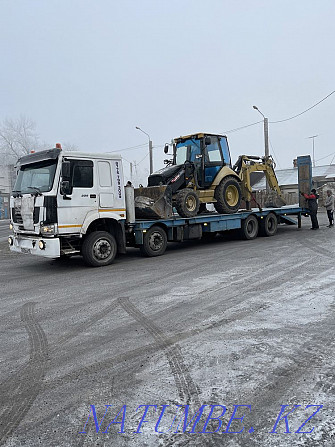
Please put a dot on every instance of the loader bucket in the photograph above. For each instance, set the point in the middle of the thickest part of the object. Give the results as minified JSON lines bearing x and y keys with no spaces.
{"x":153,"y":202}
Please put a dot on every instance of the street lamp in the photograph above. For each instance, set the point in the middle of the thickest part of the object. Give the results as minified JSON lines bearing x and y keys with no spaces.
{"x":266,"y":140}
{"x":151,"y":164}
{"x":266,"y":132}
{"x":313,"y":138}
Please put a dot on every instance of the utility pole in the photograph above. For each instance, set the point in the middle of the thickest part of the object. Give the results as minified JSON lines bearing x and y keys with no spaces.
{"x":266,"y":137}
{"x":266,"y":141}
{"x":313,"y":138}
{"x":151,"y":163}
{"x":131,"y":172}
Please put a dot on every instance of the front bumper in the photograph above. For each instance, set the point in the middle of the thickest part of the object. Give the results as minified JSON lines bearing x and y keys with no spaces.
{"x":30,"y":245}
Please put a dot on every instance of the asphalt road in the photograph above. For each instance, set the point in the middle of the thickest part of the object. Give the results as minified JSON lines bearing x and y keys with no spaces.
{"x":225,"y":322}
{"x":4,"y":230}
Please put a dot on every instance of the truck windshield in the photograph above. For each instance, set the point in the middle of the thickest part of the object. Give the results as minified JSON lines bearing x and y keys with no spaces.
{"x":36,"y":177}
{"x":187,"y":150}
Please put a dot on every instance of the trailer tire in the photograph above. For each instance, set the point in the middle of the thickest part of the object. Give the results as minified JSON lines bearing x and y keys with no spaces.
{"x":249,"y":229}
{"x":187,"y":203}
{"x":228,"y":196}
{"x":154,"y":242}
{"x":99,"y":248}
{"x":268,"y":226}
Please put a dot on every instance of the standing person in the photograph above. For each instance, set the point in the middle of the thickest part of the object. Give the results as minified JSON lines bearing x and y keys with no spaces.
{"x":329,"y":204}
{"x":312,"y":200}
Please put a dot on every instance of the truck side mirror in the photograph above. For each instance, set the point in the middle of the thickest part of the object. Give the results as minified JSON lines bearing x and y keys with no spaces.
{"x":166,"y":149}
{"x":208,"y":141}
{"x":66,"y":171}
{"x":65,"y":188}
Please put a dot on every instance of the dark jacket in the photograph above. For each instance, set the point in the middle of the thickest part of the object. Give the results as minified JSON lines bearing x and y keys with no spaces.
{"x":312,"y":200}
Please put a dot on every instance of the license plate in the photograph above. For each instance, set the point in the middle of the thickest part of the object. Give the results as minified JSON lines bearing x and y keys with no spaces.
{"x":25,"y":250}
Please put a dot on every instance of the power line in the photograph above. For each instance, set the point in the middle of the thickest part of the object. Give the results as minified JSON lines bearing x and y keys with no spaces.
{"x":325,"y":156}
{"x":280,"y":121}
{"x":142,"y":159}
{"x":128,"y":148}
{"x":124,"y":158}
{"x":243,"y":127}
{"x":299,"y":114}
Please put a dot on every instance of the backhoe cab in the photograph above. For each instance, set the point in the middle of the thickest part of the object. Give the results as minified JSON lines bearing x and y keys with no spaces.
{"x":199,"y":173}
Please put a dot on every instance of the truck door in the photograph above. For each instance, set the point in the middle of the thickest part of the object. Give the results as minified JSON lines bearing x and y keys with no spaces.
{"x":110,"y":186}
{"x":73,"y":208}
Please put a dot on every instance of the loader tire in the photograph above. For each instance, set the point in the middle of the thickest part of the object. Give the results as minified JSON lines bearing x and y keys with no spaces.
{"x":228,"y":196}
{"x":268,"y":226}
{"x":99,"y":248}
{"x":154,"y":242}
{"x":187,"y":203}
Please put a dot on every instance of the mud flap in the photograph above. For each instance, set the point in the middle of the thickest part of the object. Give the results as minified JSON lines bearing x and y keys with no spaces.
{"x":153,"y":202}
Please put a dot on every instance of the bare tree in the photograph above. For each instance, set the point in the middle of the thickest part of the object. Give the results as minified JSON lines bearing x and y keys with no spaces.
{"x":17,"y":137}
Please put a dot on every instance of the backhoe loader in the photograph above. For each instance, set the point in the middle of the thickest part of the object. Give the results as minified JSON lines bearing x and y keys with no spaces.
{"x":200,"y":172}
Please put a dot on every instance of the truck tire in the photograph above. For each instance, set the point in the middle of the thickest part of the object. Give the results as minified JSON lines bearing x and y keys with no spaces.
{"x":154,"y":242}
{"x":99,"y":248}
{"x":228,"y":196}
{"x":268,"y":226}
{"x":249,"y":229}
{"x":187,"y":203}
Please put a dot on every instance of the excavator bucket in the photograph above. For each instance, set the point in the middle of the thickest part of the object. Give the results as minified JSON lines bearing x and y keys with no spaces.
{"x":153,"y":202}
{"x":273,"y":200}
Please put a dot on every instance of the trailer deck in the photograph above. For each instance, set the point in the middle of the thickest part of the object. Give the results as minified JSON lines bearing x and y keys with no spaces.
{"x":214,"y":222}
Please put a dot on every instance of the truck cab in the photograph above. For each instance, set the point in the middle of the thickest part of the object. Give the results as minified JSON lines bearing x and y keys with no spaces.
{"x":61,"y":198}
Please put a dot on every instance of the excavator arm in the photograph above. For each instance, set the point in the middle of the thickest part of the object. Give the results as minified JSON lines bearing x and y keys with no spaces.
{"x":247,"y":164}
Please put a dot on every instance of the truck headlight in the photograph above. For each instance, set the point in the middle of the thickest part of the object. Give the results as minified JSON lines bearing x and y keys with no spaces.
{"x":10,"y":241}
{"x":48,"y":229}
{"x":10,"y":226}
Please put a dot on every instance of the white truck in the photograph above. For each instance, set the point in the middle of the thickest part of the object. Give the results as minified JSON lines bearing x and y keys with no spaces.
{"x":68,"y":203}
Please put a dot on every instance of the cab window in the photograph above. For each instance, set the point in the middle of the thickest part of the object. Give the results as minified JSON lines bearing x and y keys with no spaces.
{"x":213,"y":153}
{"x":82,"y":173}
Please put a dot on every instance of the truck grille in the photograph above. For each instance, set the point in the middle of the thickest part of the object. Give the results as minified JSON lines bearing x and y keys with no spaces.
{"x":17,"y":217}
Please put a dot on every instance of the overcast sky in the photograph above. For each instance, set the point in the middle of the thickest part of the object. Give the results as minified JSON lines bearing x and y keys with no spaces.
{"x":88,"y":72}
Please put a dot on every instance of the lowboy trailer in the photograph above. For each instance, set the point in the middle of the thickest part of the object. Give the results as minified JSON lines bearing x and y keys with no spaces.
{"x":151,"y":236}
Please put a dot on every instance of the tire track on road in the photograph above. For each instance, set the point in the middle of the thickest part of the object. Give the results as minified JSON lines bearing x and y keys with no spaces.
{"x":21,"y":389}
{"x":246,"y":295}
{"x":81,"y":327}
{"x":187,"y":389}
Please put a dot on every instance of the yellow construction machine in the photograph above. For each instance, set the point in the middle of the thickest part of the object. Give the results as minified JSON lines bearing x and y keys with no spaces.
{"x":199,"y":173}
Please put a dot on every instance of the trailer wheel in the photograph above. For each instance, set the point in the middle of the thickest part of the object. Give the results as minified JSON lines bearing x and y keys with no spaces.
{"x":99,"y":248}
{"x":187,"y":203}
{"x":154,"y":242}
{"x":228,"y":196}
{"x":268,"y":226}
{"x":249,"y":229}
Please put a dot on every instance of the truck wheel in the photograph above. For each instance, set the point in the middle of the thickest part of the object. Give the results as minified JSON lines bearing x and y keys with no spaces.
{"x":249,"y":229}
{"x":154,"y":242}
{"x":268,"y":226}
{"x":228,"y":196}
{"x":99,"y":248}
{"x":187,"y":203}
